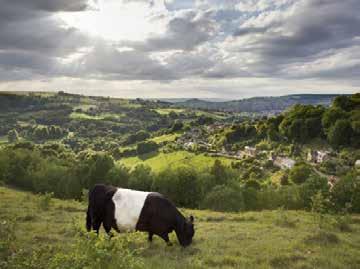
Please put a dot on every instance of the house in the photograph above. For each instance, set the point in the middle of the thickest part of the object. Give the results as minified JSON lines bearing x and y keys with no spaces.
{"x":357,"y":164}
{"x":284,"y":162}
{"x":250,"y":151}
{"x":318,"y":156}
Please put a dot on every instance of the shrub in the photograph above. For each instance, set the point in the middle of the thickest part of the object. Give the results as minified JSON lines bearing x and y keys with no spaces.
{"x":44,"y":201}
{"x":146,"y":147}
{"x":311,"y":187}
{"x":7,"y":238}
{"x":347,"y":191}
{"x":91,"y":251}
{"x":224,"y":198}
{"x":299,"y":173}
{"x":141,"y":178}
{"x":181,"y":185}
{"x":340,"y":133}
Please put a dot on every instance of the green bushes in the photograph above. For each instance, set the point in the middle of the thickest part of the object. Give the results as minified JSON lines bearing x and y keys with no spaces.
{"x":88,"y":251}
{"x":91,"y":251}
{"x":224,"y":198}
{"x":346,"y":192}
{"x":44,"y":201}
{"x":299,"y":173}
{"x":181,"y":185}
{"x":146,"y":147}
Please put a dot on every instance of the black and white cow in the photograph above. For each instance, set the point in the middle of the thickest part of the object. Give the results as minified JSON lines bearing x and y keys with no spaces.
{"x":130,"y":210}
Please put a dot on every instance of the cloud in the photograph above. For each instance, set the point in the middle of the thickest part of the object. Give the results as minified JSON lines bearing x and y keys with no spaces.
{"x":185,"y":31}
{"x":203,"y":41}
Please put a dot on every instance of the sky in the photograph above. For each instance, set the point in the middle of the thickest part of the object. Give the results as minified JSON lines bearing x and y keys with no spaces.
{"x":227,"y":49}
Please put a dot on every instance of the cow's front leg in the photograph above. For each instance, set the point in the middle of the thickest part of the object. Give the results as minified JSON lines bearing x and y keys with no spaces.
{"x":166,"y":239}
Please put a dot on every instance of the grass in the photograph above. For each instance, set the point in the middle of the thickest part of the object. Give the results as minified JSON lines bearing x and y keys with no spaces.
{"x":222,"y":240}
{"x":167,"y":111}
{"x":102,"y":116}
{"x":3,"y":139}
{"x":165,"y":138}
{"x":160,"y":161}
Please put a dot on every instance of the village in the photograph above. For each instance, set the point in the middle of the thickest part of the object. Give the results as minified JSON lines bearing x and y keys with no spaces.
{"x":196,"y":140}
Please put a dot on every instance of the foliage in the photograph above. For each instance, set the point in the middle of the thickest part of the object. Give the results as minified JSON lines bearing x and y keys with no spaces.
{"x":340,"y":133}
{"x":13,"y":136}
{"x":299,"y":173}
{"x":140,"y":178}
{"x":44,"y":201}
{"x":224,"y":198}
{"x":146,"y":147}
{"x":347,"y":192}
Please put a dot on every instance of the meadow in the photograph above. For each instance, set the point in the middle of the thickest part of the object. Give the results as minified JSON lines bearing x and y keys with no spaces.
{"x":160,"y":161}
{"x":46,"y":233}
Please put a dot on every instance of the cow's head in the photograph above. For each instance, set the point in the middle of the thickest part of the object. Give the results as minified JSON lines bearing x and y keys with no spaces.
{"x":186,"y":232}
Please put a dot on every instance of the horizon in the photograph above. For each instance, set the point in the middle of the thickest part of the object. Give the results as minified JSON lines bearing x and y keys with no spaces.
{"x":168,"y":99}
{"x":206,"y":49}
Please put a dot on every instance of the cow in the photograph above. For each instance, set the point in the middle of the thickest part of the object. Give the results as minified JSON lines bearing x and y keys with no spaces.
{"x":127,"y":210}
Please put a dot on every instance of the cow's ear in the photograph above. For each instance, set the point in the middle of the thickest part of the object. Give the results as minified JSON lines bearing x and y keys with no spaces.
{"x":191,"y":219}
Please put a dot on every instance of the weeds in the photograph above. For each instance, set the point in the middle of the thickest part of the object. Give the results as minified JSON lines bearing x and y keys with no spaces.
{"x":283,"y":219}
{"x":44,"y":201}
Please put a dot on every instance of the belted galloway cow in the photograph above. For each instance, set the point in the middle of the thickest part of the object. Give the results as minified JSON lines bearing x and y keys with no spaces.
{"x":130,"y":210}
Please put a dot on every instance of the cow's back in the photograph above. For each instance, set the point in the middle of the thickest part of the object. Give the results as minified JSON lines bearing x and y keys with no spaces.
{"x":128,"y":206}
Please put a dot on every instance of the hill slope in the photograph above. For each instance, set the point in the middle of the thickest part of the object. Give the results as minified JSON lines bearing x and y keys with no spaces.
{"x":260,"y":104}
{"x":284,"y":239}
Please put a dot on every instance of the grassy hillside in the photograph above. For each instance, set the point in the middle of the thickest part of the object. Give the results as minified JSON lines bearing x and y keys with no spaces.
{"x":269,"y":239}
{"x":160,"y":161}
{"x":259,"y":104}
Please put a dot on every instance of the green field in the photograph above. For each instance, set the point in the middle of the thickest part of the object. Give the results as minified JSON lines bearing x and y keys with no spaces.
{"x":165,"y":138}
{"x":166,"y":111}
{"x":160,"y":161}
{"x":269,"y":239}
{"x":3,"y":139}
{"x":102,"y":116}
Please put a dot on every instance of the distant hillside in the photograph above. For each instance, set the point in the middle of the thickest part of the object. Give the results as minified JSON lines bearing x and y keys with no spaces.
{"x":260,"y":104}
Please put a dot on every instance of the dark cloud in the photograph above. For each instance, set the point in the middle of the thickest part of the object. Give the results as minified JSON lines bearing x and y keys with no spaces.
{"x":46,"y":5}
{"x":250,"y":30}
{"x":184,"y":32}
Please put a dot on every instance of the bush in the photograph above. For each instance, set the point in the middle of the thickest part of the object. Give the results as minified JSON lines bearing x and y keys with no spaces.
{"x":224,"y":198}
{"x":146,"y":147}
{"x":181,"y":185}
{"x":44,"y":201}
{"x":311,"y":187}
{"x":299,"y":173}
{"x":347,"y":191}
{"x":91,"y":251}
{"x":141,"y":178}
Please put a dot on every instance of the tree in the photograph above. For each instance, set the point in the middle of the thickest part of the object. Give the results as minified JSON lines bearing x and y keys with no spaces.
{"x":343,"y":102}
{"x":347,"y":192}
{"x":99,"y":165}
{"x":141,"y":178}
{"x":331,"y":115}
{"x":299,"y":173}
{"x":224,"y":198}
{"x":340,"y":133}
{"x":146,"y":147}
{"x":13,"y":136}
{"x":177,"y":126}
{"x":298,"y":131}
{"x":219,"y":172}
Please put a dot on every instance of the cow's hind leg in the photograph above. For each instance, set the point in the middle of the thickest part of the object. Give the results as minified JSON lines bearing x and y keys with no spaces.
{"x":96,"y":223}
{"x":108,"y":223}
{"x":150,"y":237}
